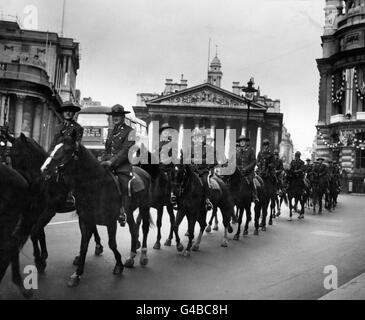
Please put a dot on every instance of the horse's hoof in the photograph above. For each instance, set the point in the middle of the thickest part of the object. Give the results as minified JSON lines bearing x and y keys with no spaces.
{"x":245,"y":233}
{"x":224,"y":243}
{"x":143,"y":261}
{"x":41,"y":266}
{"x":168,"y":243}
{"x":236,"y":237}
{"x":195,"y":247}
{"x":138,"y":245}
{"x":208,"y":229}
{"x":263,"y":228}
{"x":129,"y":263}
{"x":76,"y":261}
{"x":27,"y":293}
{"x":99,"y":250}
{"x":229,"y":229}
{"x":157,"y":246}
{"x":270,"y":222}
{"x":118,"y":269}
{"x":256,"y":232}
{"x":216,"y":228}
{"x":74,"y":281}
{"x":187,"y":253}
{"x":179,"y":247}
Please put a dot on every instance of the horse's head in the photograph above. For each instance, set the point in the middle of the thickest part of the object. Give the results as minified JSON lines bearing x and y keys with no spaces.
{"x":63,"y":159}
{"x":27,"y":155}
{"x":179,"y":176}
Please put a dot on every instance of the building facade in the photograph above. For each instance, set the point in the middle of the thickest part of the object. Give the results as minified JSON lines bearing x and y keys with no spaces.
{"x":211,"y":107}
{"x":37,"y":74}
{"x":341,"y":121}
{"x":286,"y":148}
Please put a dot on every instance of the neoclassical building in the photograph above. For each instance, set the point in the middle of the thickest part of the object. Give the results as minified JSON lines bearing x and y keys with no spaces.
{"x":37,"y":73}
{"x":209,"y":106}
{"x":341,"y":121}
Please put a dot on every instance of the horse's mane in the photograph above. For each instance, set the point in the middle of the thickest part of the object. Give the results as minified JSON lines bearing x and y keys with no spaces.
{"x":91,"y":163}
{"x":37,"y":147}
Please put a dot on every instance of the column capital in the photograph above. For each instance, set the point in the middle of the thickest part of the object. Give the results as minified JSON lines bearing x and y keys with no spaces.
{"x":20,"y":98}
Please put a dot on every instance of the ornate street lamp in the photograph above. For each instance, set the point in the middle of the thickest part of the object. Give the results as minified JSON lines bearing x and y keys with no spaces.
{"x":249,"y":93}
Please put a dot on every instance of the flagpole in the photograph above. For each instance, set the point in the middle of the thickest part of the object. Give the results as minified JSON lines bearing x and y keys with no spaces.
{"x":63,"y":17}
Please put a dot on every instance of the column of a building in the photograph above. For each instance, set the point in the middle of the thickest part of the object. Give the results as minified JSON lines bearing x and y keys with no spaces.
{"x":37,"y":123}
{"x":19,"y":107}
{"x":258,"y":139}
{"x":2,"y":106}
{"x":181,"y":135}
{"x":212,"y":128}
{"x":44,"y":124}
{"x":227,"y":139}
{"x":27,"y":122}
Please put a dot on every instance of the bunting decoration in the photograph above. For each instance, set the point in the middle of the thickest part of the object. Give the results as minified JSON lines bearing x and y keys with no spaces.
{"x":347,"y":138}
{"x":360,"y":91}
{"x":337,"y":95}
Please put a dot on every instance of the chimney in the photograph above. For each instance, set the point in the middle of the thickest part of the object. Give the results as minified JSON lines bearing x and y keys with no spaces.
{"x":168,"y":86}
{"x":236,"y":88}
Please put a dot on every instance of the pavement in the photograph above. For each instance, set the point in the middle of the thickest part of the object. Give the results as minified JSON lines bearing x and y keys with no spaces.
{"x":288,"y":261}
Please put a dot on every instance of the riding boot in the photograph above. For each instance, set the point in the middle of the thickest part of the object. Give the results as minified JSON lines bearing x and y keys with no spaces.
{"x":122,"y":219}
{"x":254,"y":193}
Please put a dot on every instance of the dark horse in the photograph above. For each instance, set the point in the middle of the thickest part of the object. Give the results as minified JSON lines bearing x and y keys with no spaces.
{"x":331,"y":196}
{"x":241,"y":192}
{"x":160,"y":197}
{"x":296,"y":190}
{"x":98,"y":200}
{"x":319,"y":189}
{"x":14,"y":209}
{"x":47,"y":197}
{"x":266,"y":194}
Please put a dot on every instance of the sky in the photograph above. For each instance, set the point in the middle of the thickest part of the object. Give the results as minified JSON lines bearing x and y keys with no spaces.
{"x":132,"y":46}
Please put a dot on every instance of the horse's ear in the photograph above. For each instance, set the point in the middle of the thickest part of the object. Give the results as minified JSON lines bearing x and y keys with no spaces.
{"x":23,"y":138}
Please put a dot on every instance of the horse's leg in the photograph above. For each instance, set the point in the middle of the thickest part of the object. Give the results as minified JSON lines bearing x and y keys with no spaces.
{"x":98,"y":247}
{"x":248,"y":218}
{"x":191,"y":227}
{"x":202,"y":223}
{"x":112,"y":231}
{"x":215,"y":209}
{"x":16,"y":277}
{"x":235,"y":216}
{"x":272,"y":210}
{"x":239,"y":222}
{"x":290,"y":199}
{"x":179,"y":216}
{"x":133,"y":230}
{"x":170,"y":211}
{"x":209,"y":226}
{"x":264,"y":215}
{"x":320,"y":203}
{"x":86,"y":233}
{"x":145,"y":228}
{"x":257,"y":217}
{"x":157,"y":245}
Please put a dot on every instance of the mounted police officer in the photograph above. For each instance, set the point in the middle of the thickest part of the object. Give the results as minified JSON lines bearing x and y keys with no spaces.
{"x":246,"y":161}
{"x":166,"y":165}
{"x":265,"y":161}
{"x":297,"y":167}
{"x":279,"y":169}
{"x":69,"y":125}
{"x":307,"y":167}
{"x":334,"y":172}
{"x":115,"y":156}
{"x":321,"y":171}
{"x":203,"y":166}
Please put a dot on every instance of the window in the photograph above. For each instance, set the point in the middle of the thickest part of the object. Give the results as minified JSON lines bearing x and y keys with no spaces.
{"x":360,"y":159}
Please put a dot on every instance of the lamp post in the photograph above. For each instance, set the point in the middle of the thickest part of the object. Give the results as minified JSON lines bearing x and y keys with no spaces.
{"x":249,"y":94}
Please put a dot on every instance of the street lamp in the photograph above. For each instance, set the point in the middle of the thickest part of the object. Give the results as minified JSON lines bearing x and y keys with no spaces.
{"x":249,"y":94}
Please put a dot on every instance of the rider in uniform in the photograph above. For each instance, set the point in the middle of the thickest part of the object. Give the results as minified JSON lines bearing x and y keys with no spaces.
{"x":202,"y":167}
{"x":321,"y":170}
{"x":246,"y":161}
{"x":265,"y":161}
{"x":115,"y":156}
{"x":297,"y":167}
{"x":279,"y":169}
{"x":69,"y":125}
{"x":308,"y":167}
{"x":165,"y":166}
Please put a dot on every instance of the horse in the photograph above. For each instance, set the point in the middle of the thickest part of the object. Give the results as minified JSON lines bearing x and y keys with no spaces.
{"x":332,"y":193}
{"x":14,"y":209}
{"x":98,"y":200}
{"x":241,"y":192}
{"x":27,"y":157}
{"x":265,"y":194}
{"x":295,"y":191}
{"x":160,"y":195}
{"x":319,"y":187}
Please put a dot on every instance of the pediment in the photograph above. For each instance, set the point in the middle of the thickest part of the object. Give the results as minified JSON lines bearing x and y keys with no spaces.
{"x":204,"y":95}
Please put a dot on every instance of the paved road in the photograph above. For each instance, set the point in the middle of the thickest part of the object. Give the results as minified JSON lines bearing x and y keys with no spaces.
{"x":285,"y":262}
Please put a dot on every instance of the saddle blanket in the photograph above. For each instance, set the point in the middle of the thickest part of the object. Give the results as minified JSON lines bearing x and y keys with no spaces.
{"x":135,"y":184}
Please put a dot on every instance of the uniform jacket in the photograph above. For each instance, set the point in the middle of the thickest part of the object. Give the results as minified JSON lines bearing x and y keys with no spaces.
{"x":117,"y":147}
{"x":63,"y":130}
{"x":308,"y":168}
{"x":265,"y":161}
{"x":278,"y":165}
{"x":245,"y":159}
{"x":320,"y":170}
{"x":206,"y":164}
{"x":297,"y":165}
